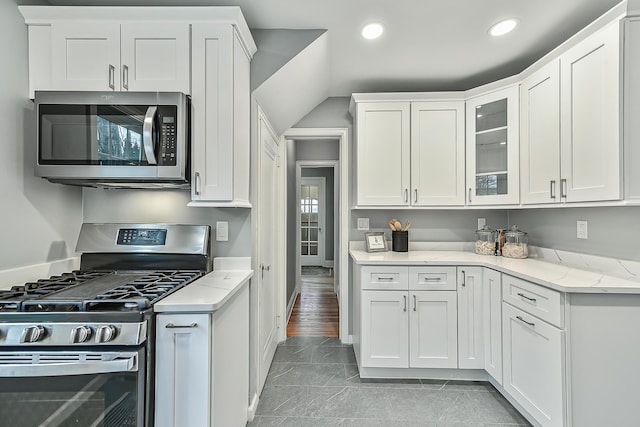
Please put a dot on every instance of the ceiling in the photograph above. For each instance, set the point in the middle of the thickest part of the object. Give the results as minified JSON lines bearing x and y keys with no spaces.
{"x":428,"y":44}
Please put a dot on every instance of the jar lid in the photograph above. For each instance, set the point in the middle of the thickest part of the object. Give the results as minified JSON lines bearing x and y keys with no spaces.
{"x":515,"y":231}
{"x":486,"y":229}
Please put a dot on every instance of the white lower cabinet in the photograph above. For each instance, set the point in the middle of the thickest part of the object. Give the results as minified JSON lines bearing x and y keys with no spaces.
{"x":492,"y":327}
{"x":433,"y":322}
{"x":183,"y":352}
{"x":470,"y":315}
{"x":408,"y":328}
{"x":202,"y":366}
{"x":533,"y":357}
{"x":385,"y":329}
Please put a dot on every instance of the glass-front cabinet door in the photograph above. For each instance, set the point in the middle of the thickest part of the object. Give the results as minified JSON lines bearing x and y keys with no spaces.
{"x":492,"y":148}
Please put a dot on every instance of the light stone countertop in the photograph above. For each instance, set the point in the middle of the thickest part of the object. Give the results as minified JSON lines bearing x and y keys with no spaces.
{"x":556,"y":276}
{"x":210,"y":292}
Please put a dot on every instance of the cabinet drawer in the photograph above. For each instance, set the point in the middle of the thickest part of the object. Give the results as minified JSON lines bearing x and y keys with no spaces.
{"x":385,"y":277}
{"x":432,"y":278}
{"x":536,"y":300}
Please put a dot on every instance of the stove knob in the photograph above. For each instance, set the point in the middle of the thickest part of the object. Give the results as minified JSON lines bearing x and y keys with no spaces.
{"x":81,"y":334}
{"x":32,"y":334}
{"x":106,"y":333}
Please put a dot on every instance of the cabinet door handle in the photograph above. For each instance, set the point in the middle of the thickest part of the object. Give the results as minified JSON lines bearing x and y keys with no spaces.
{"x":173,"y":326}
{"x":520,"y":294}
{"x":415,"y":303}
{"x":405,"y":303}
{"x":552,"y":188}
{"x":196,"y":180}
{"x":464,"y":278}
{"x":415,"y":195}
{"x":525,"y":322}
{"x":406,"y":195}
{"x":112,"y":77}
{"x":125,"y":77}
{"x":563,"y":188}
{"x":469,"y":194}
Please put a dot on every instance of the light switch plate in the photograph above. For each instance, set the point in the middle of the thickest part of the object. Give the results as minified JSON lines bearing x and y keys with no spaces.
{"x":582,"y":230}
{"x":363,"y":224}
{"x":222,"y":231}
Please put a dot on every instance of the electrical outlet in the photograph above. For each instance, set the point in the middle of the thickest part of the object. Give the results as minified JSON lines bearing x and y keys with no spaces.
{"x":363,"y":224}
{"x":582,"y":230}
{"x":222,"y":231}
{"x":481,"y":223}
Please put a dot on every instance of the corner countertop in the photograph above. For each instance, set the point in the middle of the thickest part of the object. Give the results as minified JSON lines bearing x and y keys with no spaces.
{"x":210,"y":292}
{"x":560,"y":277}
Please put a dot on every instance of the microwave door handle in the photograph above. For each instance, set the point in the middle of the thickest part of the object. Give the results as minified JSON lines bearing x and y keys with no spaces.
{"x":148,"y":136}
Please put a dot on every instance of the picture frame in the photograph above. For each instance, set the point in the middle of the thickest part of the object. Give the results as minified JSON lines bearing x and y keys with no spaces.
{"x":375,"y":241}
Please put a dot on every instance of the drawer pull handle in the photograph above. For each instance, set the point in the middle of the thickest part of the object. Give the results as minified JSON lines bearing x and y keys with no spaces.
{"x":432,"y":279}
{"x":386,"y":279}
{"x":520,"y":294}
{"x":174,"y":326}
{"x":524,"y":321}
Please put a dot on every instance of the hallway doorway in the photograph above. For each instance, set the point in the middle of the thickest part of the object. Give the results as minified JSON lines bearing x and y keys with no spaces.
{"x":327,"y":287}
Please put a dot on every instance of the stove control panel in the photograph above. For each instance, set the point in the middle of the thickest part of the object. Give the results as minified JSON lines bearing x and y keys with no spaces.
{"x":142,"y":236}
{"x":70,"y":334}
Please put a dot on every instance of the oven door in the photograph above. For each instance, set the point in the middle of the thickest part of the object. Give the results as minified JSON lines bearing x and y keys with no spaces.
{"x":60,"y":389}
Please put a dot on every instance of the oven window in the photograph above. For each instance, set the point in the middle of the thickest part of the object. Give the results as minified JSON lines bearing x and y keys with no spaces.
{"x":75,"y":400}
{"x":91,"y":134}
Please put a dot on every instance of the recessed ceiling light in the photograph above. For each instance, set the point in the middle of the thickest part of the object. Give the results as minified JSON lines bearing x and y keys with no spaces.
{"x":503,"y":27}
{"x":372,"y":31}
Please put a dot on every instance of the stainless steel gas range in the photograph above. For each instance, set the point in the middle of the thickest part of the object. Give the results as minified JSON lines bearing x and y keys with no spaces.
{"x":78,"y":349}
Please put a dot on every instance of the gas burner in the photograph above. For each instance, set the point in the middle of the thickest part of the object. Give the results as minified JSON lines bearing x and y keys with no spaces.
{"x":91,"y":291}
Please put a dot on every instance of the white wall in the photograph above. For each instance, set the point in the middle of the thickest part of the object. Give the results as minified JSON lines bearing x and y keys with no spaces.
{"x":39,"y":221}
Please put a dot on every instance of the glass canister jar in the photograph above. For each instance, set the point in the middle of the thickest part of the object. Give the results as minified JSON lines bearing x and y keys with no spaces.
{"x":486,"y":241}
{"x":516,"y":243}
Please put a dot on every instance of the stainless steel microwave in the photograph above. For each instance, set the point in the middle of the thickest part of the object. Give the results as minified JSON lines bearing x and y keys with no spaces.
{"x":114,"y":139}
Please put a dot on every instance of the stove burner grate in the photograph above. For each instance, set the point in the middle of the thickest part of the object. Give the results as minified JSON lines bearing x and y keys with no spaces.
{"x":75,"y":289}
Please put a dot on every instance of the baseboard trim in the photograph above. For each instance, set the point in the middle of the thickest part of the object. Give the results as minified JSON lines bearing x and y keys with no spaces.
{"x":291,"y":303}
{"x":251,"y":410}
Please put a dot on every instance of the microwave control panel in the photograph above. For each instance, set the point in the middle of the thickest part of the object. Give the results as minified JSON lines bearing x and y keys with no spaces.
{"x":168,"y":136}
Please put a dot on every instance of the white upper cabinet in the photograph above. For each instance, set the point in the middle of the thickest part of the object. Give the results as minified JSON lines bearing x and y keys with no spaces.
{"x":383,"y":147}
{"x":85,"y":56}
{"x":492,"y":148}
{"x":437,"y":153}
{"x":409,"y":152}
{"x":540,"y":135}
{"x":590,"y":118}
{"x":107,"y":56}
{"x":220,"y":104}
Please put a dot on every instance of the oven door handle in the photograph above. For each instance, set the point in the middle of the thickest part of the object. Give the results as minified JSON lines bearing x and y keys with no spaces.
{"x":8,"y":370}
{"x":148,"y":136}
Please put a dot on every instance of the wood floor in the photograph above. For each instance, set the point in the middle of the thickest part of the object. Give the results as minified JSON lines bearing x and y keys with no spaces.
{"x":315,"y":312}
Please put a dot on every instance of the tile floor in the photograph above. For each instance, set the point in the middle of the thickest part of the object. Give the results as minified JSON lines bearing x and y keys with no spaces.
{"x":314,"y":382}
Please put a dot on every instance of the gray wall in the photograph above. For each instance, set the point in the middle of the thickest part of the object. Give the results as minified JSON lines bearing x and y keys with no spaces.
{"x":429,"y":225}
{"x":162,"y":206}
{"x":292,"y":206}
{"x":39,"y":221}
{"x":327,"y":174}
{"x":613,"y":231}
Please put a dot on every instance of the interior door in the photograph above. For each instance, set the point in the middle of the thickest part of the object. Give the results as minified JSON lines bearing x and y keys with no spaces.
{"x":268,"y":247}
{"x":312,"y":221}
